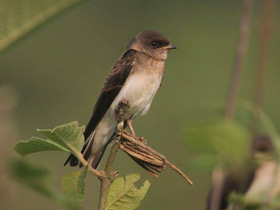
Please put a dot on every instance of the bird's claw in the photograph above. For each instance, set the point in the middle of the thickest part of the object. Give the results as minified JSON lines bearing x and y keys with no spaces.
{"x":123,"y":105}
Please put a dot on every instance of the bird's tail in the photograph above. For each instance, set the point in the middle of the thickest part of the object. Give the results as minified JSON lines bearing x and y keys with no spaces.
{"x":94,"y":160}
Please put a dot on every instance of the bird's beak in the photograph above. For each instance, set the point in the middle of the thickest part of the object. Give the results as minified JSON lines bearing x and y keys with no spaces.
{"x":171,"y":47}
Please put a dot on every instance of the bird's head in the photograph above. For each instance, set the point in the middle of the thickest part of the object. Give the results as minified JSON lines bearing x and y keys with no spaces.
{"x":151,"y":43}
{"x":262,"y":144}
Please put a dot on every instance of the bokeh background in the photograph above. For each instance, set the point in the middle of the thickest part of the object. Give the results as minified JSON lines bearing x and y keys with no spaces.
{"x":57,"y":71}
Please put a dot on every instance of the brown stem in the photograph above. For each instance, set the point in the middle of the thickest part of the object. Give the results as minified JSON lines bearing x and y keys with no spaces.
{"x":179,"y":172}
{"x":147,"y":157}
{"x":215,"y":197}
{"x":85,"y":163}
{"x":8,"y":102}
{"x":130,"y":138}
{"x":239,"y":58}
{"x":214,"y":200}
{"x":108,"y":177}
{"x":266,"y":30}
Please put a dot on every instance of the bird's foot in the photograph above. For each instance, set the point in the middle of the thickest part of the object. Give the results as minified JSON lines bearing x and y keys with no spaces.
{"x":123,"y":105}
{"x":129,"y":124}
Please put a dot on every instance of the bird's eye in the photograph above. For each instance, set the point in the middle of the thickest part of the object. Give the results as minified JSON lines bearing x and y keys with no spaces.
{"x":154,"y":44}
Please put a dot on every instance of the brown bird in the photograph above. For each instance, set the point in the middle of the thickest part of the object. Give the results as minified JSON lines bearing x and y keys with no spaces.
{"x":257,"y":182}
{"x":135,"y":78}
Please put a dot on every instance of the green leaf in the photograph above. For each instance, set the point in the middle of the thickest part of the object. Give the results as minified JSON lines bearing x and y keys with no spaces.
{"x":227,"y":140}
{"x":69,"y":136}
{"x":37,"y":145}
{"x":270,"y":129}
{"x":17,"y":17}
{"x":36,"y":178}
{"x":123,"y":195}
{"x":267,"y":126}
{"x":241,"y":201}
{"x":73,"y":185}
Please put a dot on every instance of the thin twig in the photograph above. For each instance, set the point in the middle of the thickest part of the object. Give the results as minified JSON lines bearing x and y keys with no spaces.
{"x":145,"y":167}
{"x":147,"y":157}
{"x":8,"y":131}
{"x":239,"y":58}
{"x":215,"y":197}
{"x":108,"y":177}
{"x":85,"y":163}
{"x":136,"y":141}
{"x":151,"y":159}
{"x":245,"y":24}
{"x":179,"y":172}
{"x":266,"y":30}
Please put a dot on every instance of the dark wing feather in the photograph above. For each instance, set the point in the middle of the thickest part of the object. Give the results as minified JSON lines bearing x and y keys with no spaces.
{"x":114,"y":82}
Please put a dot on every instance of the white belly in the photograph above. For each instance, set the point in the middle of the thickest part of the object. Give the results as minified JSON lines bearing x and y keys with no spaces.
{"x":139,"y":89}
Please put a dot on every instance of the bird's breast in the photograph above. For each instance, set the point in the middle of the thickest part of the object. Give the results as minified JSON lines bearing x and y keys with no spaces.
{"x":139,"y":89}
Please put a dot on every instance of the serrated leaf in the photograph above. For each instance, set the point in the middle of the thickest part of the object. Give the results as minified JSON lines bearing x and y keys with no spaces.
{"x":37,"y":178}
{"x":68,"y":138}
{"x":36,"y":144}
{"x":17,"y":17}
{"x":123,"y":195}
{"x":73,"y":185}
{"x":69,"y":135}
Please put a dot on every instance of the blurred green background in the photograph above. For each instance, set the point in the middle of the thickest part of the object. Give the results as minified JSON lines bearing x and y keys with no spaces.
{"x":58,"y":70}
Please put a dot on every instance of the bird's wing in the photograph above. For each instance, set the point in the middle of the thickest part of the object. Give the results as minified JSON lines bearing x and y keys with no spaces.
{"x":114,"y":82}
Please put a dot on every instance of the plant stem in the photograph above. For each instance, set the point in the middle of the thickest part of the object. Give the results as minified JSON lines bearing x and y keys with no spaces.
{"x":85,"y":163}
{"x":239,"y":58}
{"x":218,"y":175}
{"x":108,"y":177}
{"x":215,"y":197}
{"x":266,"y":30}
{"x":147,"y":157}
{"x":8,"y":101}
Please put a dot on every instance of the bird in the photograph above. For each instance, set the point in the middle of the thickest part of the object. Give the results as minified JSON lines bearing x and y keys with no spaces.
{"x":257,"y":182}
{"x":135,"y":78}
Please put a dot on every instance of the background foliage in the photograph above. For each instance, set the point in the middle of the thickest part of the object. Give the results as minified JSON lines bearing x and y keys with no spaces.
{"x":58,"y":71}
